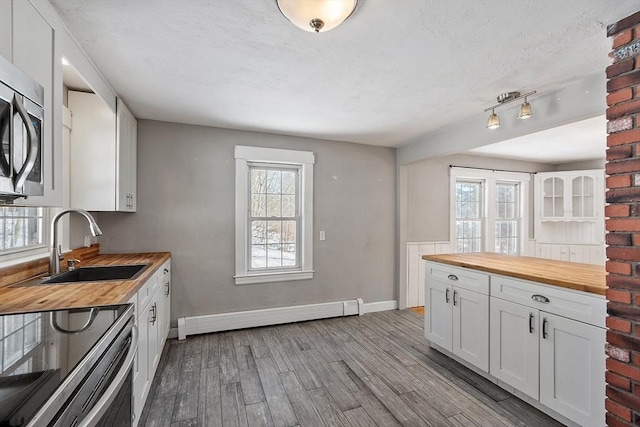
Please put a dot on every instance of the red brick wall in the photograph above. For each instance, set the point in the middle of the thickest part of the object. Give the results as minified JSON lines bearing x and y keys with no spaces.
{"x":623,"y":224}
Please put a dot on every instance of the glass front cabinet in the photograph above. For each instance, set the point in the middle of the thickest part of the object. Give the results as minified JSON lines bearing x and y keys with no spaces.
{"x":569,"y":195}
{"x":569,"y":215}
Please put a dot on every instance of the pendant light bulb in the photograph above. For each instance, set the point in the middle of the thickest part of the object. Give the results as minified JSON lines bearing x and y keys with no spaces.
{"x":494,"y":120}
{"x":525,"y":110}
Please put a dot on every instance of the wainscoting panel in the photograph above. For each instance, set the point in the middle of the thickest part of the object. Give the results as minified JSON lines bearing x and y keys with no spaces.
{"x":415,"y":268}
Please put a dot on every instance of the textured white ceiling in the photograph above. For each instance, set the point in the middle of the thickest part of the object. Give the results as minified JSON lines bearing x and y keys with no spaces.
{"x":394,"y":71}
{"x":579,"y":141}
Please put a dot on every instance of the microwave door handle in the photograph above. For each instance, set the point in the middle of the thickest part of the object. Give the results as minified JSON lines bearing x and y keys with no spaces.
{"x":5,"y":126}
{"x":28,"y":165}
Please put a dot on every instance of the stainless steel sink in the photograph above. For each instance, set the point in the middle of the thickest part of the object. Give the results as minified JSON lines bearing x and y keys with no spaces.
{"x":97,"y":274}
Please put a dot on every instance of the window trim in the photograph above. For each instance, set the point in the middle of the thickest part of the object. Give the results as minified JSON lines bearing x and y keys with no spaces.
{"x":244,"y":156}
{"x":490,"y":178}
{"x":15,"y":256}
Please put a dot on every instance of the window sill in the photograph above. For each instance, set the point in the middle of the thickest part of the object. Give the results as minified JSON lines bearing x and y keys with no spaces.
{"x":12,"y":258}
{"x":251,"y":279}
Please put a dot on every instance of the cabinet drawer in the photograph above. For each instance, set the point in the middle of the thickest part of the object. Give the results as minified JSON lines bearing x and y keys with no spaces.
{"x":147,"y":290}
{"x":458,"y":276}
{"x":577,"y":305}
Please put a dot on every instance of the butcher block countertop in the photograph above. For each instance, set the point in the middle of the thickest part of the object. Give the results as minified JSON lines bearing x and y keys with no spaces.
{"x":582,"y":277}
{"x":26,"y":296}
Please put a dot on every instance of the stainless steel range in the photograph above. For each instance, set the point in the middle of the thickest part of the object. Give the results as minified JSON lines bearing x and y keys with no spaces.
{"x":67,"y":367}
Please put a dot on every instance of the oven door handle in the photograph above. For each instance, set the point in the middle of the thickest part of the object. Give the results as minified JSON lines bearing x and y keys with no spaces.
{"x":30,"y":162}
{"x":102,"y":405}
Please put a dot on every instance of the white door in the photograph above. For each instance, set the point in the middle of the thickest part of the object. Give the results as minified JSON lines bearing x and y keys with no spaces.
{"x":572,"y":368}
{"x":514,"y":345}
{"x":437,"y":314}
{"x":471,"y":327}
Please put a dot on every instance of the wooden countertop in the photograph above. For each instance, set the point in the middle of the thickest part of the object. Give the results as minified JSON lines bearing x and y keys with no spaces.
{"x":24,"y":296}
{"x":582,"y":277}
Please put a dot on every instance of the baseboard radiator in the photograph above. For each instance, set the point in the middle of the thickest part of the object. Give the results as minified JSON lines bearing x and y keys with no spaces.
{"x":194,"y":325}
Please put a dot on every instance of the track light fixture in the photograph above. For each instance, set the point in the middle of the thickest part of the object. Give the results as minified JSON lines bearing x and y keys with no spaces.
{"x":494,"y":120}
{"x":505,"y":98}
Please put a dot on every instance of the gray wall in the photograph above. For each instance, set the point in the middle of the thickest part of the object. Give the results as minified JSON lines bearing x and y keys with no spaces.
{"x":186,"y":180}
{"x":428,"y":191}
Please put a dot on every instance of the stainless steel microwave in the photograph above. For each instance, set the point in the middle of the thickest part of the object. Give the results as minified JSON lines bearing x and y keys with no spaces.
{"x":21,"y":121}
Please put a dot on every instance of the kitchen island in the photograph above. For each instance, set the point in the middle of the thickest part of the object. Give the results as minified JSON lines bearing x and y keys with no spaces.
{"x":536,"y":327}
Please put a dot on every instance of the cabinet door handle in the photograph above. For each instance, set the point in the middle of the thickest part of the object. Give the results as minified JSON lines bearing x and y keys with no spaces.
{"x":168,"y":290}
{"x":544,"y":328}
{"x":455,"y":294}
{"x":452,"y":277}
{"x":166,"y":270}
{"x":531,"y":323}
{"x":446,"y":296}
{"x":153,"y":314}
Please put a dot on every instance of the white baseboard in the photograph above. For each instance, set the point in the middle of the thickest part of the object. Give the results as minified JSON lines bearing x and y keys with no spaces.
{"x":173,"y":333}
{"x":194,"y":325}
{"x":372,"y":307}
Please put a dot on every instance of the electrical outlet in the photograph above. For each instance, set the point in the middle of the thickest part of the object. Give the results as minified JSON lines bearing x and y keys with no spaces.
{"x":322,"y":236}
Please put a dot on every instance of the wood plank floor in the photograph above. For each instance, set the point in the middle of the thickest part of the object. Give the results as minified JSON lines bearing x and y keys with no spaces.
{"x":377,"y":369}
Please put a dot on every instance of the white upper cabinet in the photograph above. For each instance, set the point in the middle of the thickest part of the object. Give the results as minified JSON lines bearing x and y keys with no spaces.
{"x":127,"y":148}
{"x":30,"y":42}
{"x":569,"y":195}
{"x":569,"y":207}
{"x":102,"y":155}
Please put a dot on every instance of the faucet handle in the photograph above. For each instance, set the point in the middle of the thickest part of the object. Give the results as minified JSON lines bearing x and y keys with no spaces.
{"x":71,"y":264}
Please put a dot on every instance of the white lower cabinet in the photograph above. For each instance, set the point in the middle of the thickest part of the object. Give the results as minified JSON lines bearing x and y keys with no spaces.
{"x":544,"y":341}
{"x":515,"y":346}
{"x":165,"y":302}
{"x":456,"y":318}
{"x":151,"y":319}
{"x":572,"y":369}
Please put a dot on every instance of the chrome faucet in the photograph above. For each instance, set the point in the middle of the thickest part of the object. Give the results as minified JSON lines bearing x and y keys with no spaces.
{"x":55,"y":253}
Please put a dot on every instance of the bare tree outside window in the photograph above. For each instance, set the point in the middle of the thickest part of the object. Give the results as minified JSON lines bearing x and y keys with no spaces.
{"x":274,"y":217}
{"x":507,"y":218}
{"x":20,"y":227}
{"x":468,"y":216}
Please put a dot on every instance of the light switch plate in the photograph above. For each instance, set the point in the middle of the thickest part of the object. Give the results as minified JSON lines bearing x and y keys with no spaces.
{"x":322,"y":236}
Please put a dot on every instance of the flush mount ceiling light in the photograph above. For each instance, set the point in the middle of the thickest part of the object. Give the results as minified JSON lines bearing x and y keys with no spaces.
{"x":505,"y":98}
{"x":317,"y":15}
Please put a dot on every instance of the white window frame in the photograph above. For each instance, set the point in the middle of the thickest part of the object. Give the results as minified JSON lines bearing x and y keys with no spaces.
{"x":10,"y":257}
{"x":305,"y":160}
{"x":489,"y":179}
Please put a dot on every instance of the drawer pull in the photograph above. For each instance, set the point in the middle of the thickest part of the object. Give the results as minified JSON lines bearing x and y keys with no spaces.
{"x":544,"y":328}
{"x":455,"y":294}
{"x":452,"y":277}
{"x":540,"y":298}
{"x":530,"y":323}
{"x":446,"y":296}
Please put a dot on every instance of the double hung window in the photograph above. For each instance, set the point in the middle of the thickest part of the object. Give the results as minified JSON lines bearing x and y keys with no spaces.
{"x":487,"y":210}
{"x":274,"y":215}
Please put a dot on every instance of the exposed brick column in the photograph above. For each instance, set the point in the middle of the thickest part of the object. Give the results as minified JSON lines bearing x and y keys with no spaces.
{"x":623,"y":224}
